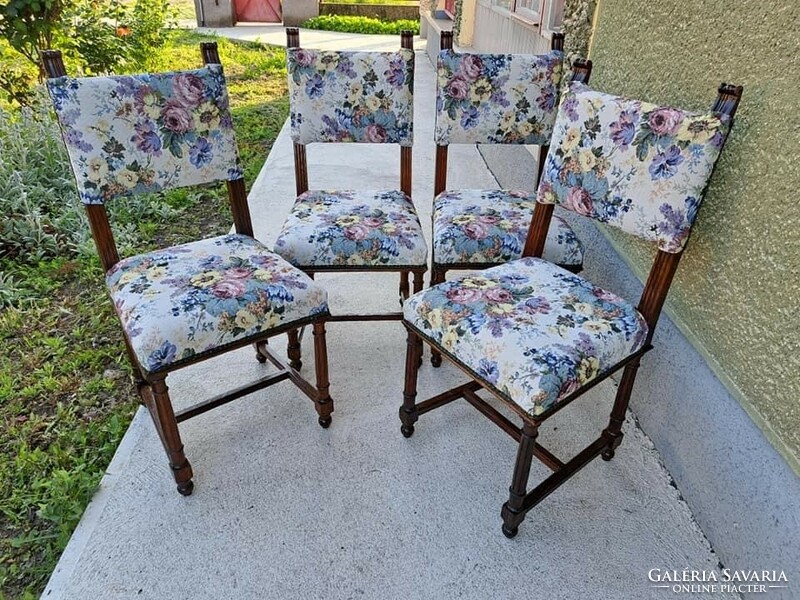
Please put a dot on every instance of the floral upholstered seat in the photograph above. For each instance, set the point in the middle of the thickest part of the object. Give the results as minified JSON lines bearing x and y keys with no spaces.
{"x":353,"y":228}
{"x":530,"y":329}
{"x":479,"y":227}
{"x":179,"y":302}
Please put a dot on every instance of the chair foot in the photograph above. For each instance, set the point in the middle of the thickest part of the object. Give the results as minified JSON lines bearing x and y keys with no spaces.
{"x":407,"y":430}
{"x":296,"y":364}
{"x":186,"y":488}
{"x":293,"y":349}
{"x":510,"y":532}
{"x":325,"y":422}
{"x":436,"y":359}
{"x":260,"y":356}
{"x":607,"y":454}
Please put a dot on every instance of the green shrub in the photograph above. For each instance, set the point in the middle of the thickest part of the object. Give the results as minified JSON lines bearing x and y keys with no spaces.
{"x":361,"y":25}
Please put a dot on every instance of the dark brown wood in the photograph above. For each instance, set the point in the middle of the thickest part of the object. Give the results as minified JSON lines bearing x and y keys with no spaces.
{"x":323,"y":402}
{"x":102,"y":235}
{"x":557,"y":42}
{"x":440,"y":170}
{"x":447,"y":397}
{"x":292,"y":37}
{"x":53,"y":64}
{"x":221,"y":399}
{"x":581,"y":70}
{"x":406,"y":159}
{"x":512,"y":512}
{"x":537,"y":230}
{"x":167,"y":427}
{"x":239,"y":209}
{"x":446,"y":40}
{"x":293,"y":350}
{"x":408,"y":411}
{"x":300,"y":169}
{"x":210,"y":53}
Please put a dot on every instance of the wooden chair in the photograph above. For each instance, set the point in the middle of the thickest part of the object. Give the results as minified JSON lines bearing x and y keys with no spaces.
{"x":537,"y":336}
{"x":184,"y":304}
{"x":362,"y":97}
{"x":495,"y":99}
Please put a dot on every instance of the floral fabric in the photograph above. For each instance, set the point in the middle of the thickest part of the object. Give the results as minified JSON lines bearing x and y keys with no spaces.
{"x":533,"y":331}
{"x":353,"y":228}
{"x":496,"y":98}
{"x":490,"y":226}
{"x":351,"y":96}
{"x":144,"y":133}
{"x":181,"y":301}
{"x":631,"y":164}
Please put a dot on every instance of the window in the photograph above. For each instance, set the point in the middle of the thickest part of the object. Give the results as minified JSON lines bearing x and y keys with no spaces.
{"x":547,"y":13}
{"x":553,"y":16}
{"x":526,"y":10}
{"x":450,"y":8}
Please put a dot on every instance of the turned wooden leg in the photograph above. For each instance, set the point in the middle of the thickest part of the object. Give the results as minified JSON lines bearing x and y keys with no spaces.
{"x":437,"y":276}
{"x":408,"y":412}
{"x":614,"y":430}
{"x":293,"y":349}
{"x":512,"y":510}
{"x":156,"y":396}
{"x":403,"y":286}
{"x":323,"y":403}
{"x":260,"y":356}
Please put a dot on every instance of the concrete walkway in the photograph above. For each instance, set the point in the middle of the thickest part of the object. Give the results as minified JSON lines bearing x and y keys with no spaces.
{"x":283,"y":509}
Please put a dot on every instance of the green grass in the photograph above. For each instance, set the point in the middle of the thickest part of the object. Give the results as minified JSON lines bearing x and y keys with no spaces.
{"x":66,"y":397}
{"x":184,"y":9}
{"x":361,"y":25}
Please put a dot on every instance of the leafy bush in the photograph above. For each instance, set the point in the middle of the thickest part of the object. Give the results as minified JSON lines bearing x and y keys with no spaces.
{"x":361,"y":25}
{"x":96,"y":36}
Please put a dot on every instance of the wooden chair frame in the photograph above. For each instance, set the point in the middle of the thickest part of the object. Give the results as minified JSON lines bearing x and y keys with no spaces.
{"x":650,"y":304}
{"x":152,"y":387}
{"x":581,"y":71}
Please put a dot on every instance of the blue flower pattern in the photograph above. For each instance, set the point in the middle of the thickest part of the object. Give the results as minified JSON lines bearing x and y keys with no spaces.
{"x":144,"y":133}
{"x":631,"y":164}
{"x":496,"y":98}
{"x":181,"y":301}
{"x":533,"y":331}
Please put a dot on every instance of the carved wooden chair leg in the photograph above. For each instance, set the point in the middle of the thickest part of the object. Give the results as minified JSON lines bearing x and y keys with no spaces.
{"x":323,"y":403}
{"x":163,"y":415}
{"x":293,"y":349}
{"x":512,"y":512}
{"x":437,"y":276}
{"x":260,"y":356}
{"x":404,"y":286}
{"x":408,"y":412}
{"x":419,"y":283}
{"x":614,"y":430}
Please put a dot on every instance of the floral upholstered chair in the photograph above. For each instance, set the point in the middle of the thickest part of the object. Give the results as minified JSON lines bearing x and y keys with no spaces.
{"x":537,"y":336}
{"x":362,"y":97}
{"x":180,"y":305}
{"x":495,"y":99}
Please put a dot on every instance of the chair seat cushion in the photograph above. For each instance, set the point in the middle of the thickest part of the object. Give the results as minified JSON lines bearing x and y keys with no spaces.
{"x":377,"y":229}
{"x":185,"y":300}
{"x":490,"y":227}
{"x":531,"y":330}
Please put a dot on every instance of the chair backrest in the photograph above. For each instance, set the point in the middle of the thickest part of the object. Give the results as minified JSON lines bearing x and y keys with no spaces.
{"x":340,"y":96}
{"x":498,"y":99}
{"x":637,"y":166}
{"x":134,"y":134}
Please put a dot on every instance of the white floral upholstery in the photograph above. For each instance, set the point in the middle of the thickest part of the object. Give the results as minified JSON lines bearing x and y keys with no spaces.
{"x":353,"y":228}
{"x":631,"y":164}
{"x":490,"y":227}
{"x":351,"y":96}
{"x":528,"y":328}
{"x":496,"y":98}
{"x":182,"y":301}
{"x":143,"y":133}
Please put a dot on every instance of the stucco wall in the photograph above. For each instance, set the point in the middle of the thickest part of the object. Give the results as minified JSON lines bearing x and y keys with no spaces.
{"x":737,"y":292}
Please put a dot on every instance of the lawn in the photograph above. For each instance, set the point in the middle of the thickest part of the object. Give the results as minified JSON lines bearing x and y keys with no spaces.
{"x":66,"y":396}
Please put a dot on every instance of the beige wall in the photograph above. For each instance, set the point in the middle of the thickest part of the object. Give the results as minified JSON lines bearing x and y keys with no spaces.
{"x":737,"y":292}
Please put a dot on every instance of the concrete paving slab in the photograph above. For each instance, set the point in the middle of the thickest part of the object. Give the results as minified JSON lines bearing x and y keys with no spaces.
{"x":284,"y":509}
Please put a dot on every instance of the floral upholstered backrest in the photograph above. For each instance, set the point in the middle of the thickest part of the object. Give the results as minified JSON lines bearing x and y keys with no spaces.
{"x":362,"y":97}
{"x":496,"y":98}
{"x":144,"y":133}
{"x":631,"y":164}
